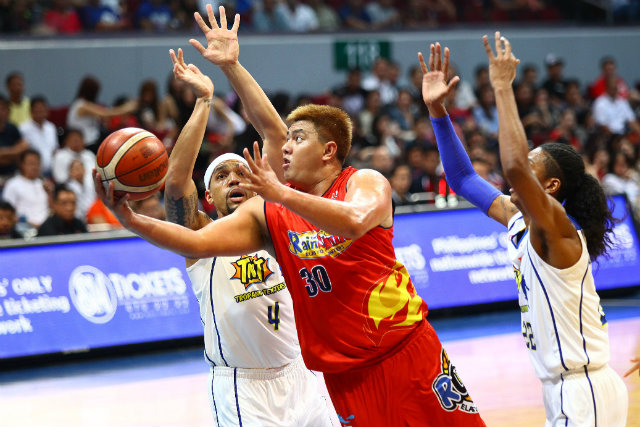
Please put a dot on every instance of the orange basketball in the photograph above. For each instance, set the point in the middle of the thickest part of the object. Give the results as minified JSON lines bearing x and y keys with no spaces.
{"x":135,"y":160}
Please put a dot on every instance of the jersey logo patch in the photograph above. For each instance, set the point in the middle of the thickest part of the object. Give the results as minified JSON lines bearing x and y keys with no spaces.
{"x":392,"y":304}
{"x":522,"y":286}
{"x":346,"y":422}
{"x":251,"y":269}
{"x":449,"y":389}
{"x":316,"y":244}
{"x":603,"y":318}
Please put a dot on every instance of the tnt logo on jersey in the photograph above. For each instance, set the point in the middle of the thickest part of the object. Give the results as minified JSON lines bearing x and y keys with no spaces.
{"x":251,"y":269}
{"x":522,"y":291}
{"x":451,"y":393}
{"x":316,"y":244}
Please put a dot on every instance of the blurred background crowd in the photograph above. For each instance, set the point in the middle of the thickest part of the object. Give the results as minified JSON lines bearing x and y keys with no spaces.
{"x":47,"y":154}
{"x":76,"y":16}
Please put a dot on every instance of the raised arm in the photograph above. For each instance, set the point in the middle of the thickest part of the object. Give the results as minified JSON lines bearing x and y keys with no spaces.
{"x":223,"y":50}
{"x":634,"y":367}
{"x":181,"y":195}
{"x":92,"y":109}
{"x":460,"y":174}
{"x":551,"y":230}
{"x":366,"y":205}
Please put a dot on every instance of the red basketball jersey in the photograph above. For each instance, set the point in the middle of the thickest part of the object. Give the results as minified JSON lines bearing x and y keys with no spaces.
{"x":353,"y":301}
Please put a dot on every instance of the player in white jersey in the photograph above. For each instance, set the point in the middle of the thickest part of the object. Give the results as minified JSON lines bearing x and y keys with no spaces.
{"x":257,"y":375}
{"x":558,"y":221}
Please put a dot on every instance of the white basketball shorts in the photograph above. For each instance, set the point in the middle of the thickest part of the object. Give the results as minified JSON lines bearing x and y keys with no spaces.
{"x":591,"y":398}
{"x":287,"y":396}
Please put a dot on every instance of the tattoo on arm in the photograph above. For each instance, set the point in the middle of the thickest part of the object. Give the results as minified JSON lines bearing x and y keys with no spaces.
{"x":183,"y":210}
{"x":508,"y":209}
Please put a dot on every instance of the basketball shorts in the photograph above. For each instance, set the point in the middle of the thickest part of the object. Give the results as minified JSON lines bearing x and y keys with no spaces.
{"x":417,"y":385}
{"x":591,"y":397}
{"x":287,"y":396}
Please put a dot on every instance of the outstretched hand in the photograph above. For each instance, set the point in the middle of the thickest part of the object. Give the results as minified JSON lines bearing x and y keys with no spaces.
{"x":116,"y":203}
{"x":502,"y":65}
{"x":190,"y":74}
{"x":634,"y":367}
{"x":222,"y":44}
{"x":435,"y":88}
{"x":261,"y":179}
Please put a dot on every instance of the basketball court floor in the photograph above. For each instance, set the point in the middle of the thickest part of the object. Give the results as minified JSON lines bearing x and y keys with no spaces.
{"x":169,"y":388}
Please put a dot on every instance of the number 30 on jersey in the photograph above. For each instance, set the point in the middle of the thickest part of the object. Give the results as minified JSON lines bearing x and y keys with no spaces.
{"x":317,"y":280}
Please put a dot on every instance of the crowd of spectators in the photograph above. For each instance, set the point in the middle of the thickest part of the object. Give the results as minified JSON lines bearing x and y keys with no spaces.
{"x":67,"y":17}
{"x":45,"y":166}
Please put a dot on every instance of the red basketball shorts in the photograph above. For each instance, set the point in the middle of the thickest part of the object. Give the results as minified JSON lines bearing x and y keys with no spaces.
{"x":415,"y":386}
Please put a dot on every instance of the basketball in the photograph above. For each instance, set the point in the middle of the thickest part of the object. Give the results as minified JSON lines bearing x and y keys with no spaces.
{"x":135,"y":160}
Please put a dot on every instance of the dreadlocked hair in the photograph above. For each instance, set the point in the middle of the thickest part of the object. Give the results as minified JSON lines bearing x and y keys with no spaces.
{"x":582,"y":196}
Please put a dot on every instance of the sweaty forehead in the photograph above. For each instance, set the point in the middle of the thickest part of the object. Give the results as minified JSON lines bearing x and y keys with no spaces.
{"x":227,"y":165}
{"x":301,"y":126}
{"x":536,"y":155}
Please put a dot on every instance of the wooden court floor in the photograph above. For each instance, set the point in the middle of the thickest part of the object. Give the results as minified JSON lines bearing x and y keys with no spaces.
{"x":172,"y":391}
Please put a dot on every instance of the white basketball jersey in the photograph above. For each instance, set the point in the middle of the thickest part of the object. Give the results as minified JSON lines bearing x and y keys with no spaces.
{"x":562,"y":322}
{"x":246,"y":310}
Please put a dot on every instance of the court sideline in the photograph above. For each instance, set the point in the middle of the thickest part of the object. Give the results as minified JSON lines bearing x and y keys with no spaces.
{"x":168,"y":388}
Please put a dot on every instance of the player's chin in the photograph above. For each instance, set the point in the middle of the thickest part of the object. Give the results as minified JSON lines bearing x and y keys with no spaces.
{"x":514,"y":199}
{"x":288,"y":174}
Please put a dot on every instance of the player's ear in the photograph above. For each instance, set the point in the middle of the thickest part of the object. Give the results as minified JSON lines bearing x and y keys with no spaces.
{"x":330,"y":150}
{"x":208,"y":197}
{"x":552,"y":186}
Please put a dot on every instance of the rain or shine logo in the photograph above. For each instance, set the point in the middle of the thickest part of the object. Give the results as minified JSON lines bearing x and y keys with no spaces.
{"x":316,"y":244}
{"x":251,"y":269}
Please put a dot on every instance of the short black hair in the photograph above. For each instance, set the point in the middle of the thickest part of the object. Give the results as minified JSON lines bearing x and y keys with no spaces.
{"x":59,"y":188}
{"x":13,"y":75}
{"x":70,"y":131}
{"x":608,"y":59}
{"x":38,"y":99}
{"x":6,"y":206}
{"x":26,"y":152}
{"x":480,"y":69}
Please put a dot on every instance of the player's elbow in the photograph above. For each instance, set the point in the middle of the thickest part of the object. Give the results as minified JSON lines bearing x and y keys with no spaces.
{"x":197,"y":247}
{"x":513,"y":170}
{"x":173,"y":184}
{"x":356,"y":227}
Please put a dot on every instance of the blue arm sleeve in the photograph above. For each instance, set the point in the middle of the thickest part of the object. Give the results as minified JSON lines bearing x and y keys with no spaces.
{"x":459,"y":172}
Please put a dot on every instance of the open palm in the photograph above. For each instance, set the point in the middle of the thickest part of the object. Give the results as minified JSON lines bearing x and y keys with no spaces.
{"x":502,"y":65}
{"x":190,"y":74}
{"x":222,"y":44}
{"x":434,"y":79}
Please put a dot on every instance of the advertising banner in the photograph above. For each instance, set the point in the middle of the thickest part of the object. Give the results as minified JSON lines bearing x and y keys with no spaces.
{"x":459,"y":257}
{"x":68,"y":297}
{"x":76,"y":296}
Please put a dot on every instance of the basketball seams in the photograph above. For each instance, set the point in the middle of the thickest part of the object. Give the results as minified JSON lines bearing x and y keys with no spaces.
{"x":128,"y":145}
{"x":131,"y":189}
{"x":141,"y":166}
{"x":124,"y":162}
{"x":109,"y":170}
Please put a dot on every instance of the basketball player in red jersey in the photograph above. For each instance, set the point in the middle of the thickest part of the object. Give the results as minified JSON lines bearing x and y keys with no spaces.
{"x":359,"y":319}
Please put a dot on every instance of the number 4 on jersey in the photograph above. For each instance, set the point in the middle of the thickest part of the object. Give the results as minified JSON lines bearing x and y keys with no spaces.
{"x":273,"y":315}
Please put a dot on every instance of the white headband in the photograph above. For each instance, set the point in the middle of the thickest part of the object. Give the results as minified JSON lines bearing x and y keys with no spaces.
{"x":221,"y":158}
